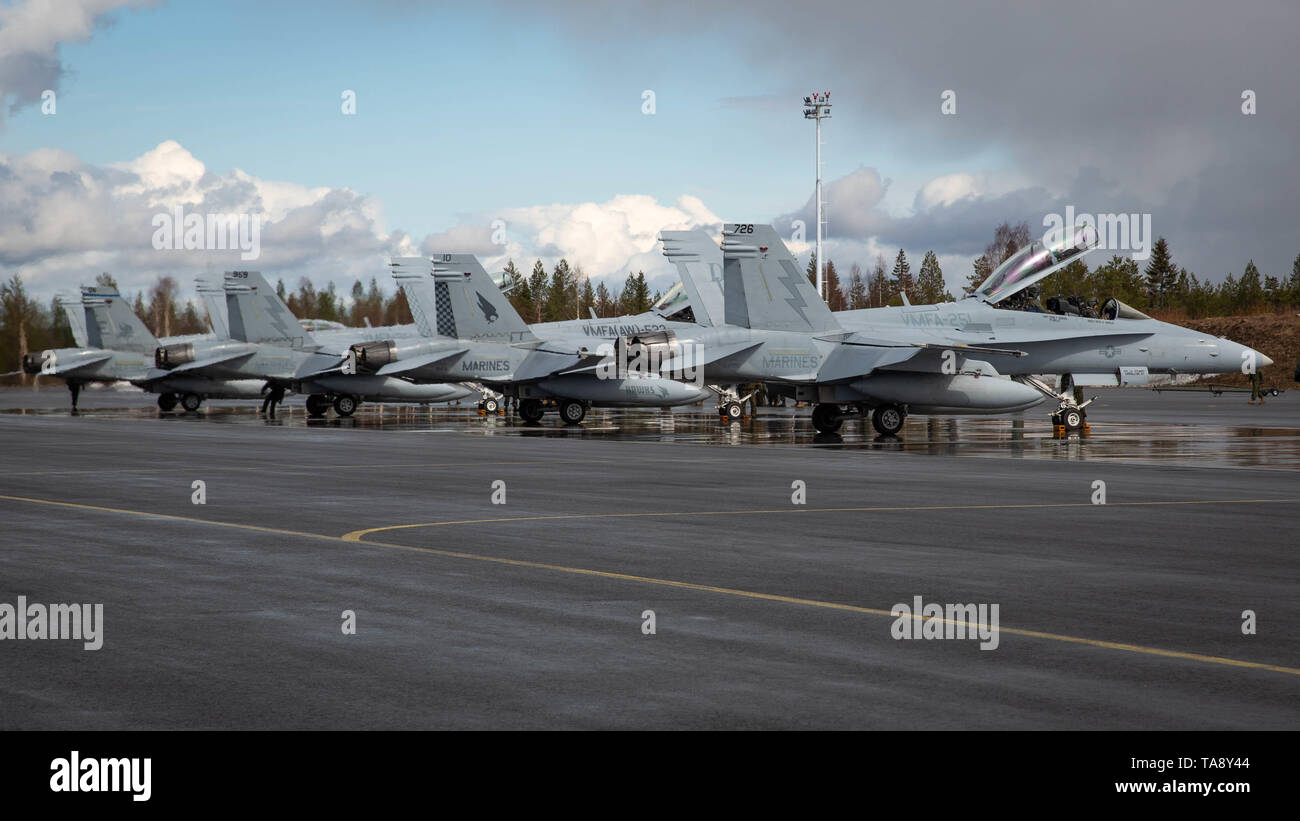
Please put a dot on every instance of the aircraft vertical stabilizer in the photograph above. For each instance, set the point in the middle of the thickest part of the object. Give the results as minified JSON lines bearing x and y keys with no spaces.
{"x":763,"y":287}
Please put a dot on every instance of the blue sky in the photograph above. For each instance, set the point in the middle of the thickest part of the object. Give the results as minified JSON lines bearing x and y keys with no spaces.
{"x":475,"y":110}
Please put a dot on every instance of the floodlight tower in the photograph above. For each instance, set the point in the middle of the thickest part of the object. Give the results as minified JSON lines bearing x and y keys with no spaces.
{"x":817,"y":106}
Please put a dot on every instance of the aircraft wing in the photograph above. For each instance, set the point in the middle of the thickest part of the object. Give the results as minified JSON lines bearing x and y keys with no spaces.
{"x":78,"y":364}
{"x":319,"y":364}
{"x":417,"y":362}
{"x":200,"y":364}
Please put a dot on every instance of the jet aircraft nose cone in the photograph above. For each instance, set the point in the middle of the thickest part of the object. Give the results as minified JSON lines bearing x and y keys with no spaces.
{"x":1264,"y":361}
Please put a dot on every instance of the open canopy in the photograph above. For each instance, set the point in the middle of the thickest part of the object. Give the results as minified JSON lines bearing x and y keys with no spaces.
{"x":1035,"y":261}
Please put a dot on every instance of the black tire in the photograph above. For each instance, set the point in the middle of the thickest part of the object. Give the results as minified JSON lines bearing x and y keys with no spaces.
{"x":191,"y":402}
{"x":345,"y":404}
{"x":1072,"y":419}
{"x":733,"y":411}
{"x":826,"y":418}
{"x":571,"y":412}
{"x":166,"y":401}
{"x":888,"y":420}
{"x":317,"y":404}
{"x":491,"y":405}
{"x":530,"y":410}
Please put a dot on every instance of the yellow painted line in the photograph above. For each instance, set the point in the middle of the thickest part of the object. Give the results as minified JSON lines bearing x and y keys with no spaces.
{"x":705,"y":588}
{"x":357,"y":535}
{"x":166,"y":516}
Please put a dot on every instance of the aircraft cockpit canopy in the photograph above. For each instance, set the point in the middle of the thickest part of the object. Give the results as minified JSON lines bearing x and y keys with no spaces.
{"x":1035,"y":261}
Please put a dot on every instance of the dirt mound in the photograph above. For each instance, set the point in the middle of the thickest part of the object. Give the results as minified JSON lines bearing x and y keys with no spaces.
{"x":1275,"y":335}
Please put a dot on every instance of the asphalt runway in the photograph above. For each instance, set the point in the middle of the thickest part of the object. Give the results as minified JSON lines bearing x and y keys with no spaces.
{"x":768,"y":614}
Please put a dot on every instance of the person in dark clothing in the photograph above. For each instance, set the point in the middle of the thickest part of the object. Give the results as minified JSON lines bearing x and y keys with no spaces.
{"x":1256,"y":387}
{"x":75,"y":389}
{"x":274,"y":396}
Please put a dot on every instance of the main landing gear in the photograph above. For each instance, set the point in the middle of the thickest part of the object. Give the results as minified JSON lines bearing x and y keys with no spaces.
{"x":571,"y":411}
{"x":345,"y":404}
{"x":886,"y":419}
{"x":166,"y":402}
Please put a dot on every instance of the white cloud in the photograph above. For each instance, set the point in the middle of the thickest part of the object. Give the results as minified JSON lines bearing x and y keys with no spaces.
{"x":30,"y":36}
{"x":66,"y":220}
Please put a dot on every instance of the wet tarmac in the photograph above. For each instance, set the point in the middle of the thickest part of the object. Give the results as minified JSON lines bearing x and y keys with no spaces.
{"x":769,"y":558}
{"x":1126,"y":426}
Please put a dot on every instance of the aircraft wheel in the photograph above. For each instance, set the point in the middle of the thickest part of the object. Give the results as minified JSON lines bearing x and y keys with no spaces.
{"x":571,"y":412}
{"x":530,"y":410}
{"x":166,"y":401}
{"x":732,"y":410}
{"x":491,"y":405}
{"x":887,"y":419}
{"x":191,"y":401}
{"x":1072,"y":419}
{"x":345,"y":404}
{"x":826,"y":418}
{"x":317,"y":404}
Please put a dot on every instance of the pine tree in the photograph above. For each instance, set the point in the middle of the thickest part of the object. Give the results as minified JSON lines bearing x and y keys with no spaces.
{"x":561,"y":294}
{"x":977,"y":276}
{"x":537,"y":290}
{"x":606,"y":306}
{"x":636,"y":294}
{"x":1293,"y":284}
{"x":930,"y":286}
{"x":834,"y":293}
{"x":1250,"y":291}
{"x":857,"y":288}
{"x":1161,"y":274}
{"x":587,"y":300}
{"x":903,"y":284}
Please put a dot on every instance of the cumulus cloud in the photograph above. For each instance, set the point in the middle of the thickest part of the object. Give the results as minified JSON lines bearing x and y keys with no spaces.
{"x":30,"y":35}
{"x":66,"y":220}
{"x":608,"y":239}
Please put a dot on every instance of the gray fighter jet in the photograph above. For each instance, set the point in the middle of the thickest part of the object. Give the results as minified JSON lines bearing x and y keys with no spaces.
{"x":933,"y":356}
{"x":474,"y":333}
{"x":266,"y":342}
{"x":113,"y":345}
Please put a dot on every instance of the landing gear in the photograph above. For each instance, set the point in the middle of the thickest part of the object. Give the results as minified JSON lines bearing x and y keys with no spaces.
{"x":827,"y":418}
{"x":491,"y":405}
{"x":1070,"y":415}
{"x":1072,"y":419}
{"x":571,"y":412}
{"x":530,"y":410}
{"x":317,"y":404}
{"x":888,"y":419}
{"x":345,"y":404}
{"x":731,"y":411}
{"x":191,"y":402}
{"x":166,"y":401}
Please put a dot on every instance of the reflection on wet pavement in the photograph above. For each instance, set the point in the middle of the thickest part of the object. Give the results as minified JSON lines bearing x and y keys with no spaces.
{"x":1016,"y":437}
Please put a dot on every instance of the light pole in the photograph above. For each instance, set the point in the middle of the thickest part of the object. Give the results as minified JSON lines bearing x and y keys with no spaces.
{"x":817,"y":107}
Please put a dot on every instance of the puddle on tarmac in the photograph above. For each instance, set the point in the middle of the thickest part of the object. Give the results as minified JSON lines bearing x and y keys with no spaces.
{"x":1016,"y":437}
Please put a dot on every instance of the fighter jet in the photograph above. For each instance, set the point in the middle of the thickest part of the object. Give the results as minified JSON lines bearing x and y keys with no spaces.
{"x":972,"y":338}
{"x":114,"y":345}
{"x":474,"y":333}
{"x":266,"y":342}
